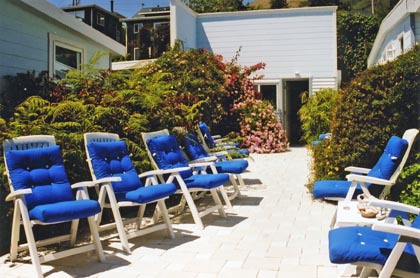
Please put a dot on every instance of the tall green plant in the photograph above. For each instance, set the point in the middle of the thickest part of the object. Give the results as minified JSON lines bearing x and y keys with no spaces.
{"x":316,"y":113}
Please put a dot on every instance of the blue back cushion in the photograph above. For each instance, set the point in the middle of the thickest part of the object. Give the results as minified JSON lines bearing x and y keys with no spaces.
{"x":167,"y":154}
{"x":193,"y":148}
{"x":111,"y":159}
{"x":207,"y":135}
{"x":390,"y":159}
{"x":41,"y":170}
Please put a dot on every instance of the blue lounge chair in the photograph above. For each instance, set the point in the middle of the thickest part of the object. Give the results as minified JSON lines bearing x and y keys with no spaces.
{"x":389,"y":249}
{"x":42,"y":195}
{"x":196,"y":153}
{"x":107,"y":157}
{"x":166,"y":155}
{"x":376,"y":181}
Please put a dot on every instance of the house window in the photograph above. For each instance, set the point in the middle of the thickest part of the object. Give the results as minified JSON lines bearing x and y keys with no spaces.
{"x":136,"y":53}
{"x":118,"y":35}
{"x":137,"y":27}
{"x":156,"y":25}
{"x":269,"y":92}
{"x":100,"y":19}
{"x":65,"y":58}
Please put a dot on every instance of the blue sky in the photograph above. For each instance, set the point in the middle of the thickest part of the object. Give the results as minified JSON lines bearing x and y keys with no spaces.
{"x":125,"y":7}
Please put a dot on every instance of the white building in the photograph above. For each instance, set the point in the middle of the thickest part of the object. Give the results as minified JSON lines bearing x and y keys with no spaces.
{"x":298,"y":46}
{"x":399,"y":31}
{"x":37,"y":36}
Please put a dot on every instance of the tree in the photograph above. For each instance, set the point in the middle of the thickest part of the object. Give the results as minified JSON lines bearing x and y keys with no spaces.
{"x":212,"y":6}
{"x":278,"y":4}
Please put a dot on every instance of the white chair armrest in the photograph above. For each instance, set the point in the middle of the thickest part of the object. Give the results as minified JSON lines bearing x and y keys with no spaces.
{"x":175,"y":170}
{"x":83,"y":184}
{"x":394,"y":206}
{"x":355,"y":169}
{"x":151,"y":173}
{"x":221,"y":153}
{"x":217,"y":136}
{"x":201,"y":164}
{"x":204,"y":159}
{"x":397,"y":229}
{"x":17,"y":193}
{"x":361,"y":178}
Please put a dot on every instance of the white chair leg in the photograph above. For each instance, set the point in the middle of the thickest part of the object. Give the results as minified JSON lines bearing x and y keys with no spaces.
{"x":225,"y":197}
{"x":241,"y":183}
{"x":118,"y":220}
{"x":193,"y":208}
{"x":140,"y":214}
{"x":14,"y":241}
{"x":73,"y":231}
{"x":392,"y":260}
{"x":95,"y":238}
{"x":101,"y":200}
{"x":217,"y":201}
{"x":165,"y":216}
{"x":30,"y":238}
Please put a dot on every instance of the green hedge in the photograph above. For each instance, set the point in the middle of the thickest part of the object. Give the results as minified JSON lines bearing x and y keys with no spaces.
{"x":378,"y":103}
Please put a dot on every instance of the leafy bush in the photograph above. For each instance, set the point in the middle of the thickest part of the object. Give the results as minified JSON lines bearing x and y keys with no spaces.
{"x":178,"y":90}
{"x":409,"y":184}
{"x":380,"y":102}
{"x":316,"y":112}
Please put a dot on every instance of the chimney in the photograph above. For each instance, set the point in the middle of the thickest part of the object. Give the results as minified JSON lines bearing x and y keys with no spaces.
{"x":112,"y":6}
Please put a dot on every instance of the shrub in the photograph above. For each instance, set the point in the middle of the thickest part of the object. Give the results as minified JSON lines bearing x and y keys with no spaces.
{"x":380,"y":102}
{"x":408,"y":182}
{"x":316,"y":112}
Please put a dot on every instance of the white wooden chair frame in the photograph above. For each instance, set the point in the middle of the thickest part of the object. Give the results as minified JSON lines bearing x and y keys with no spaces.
{"x":21,"y":214}
{"x":105,"y":189}
{"x":188,"y":193}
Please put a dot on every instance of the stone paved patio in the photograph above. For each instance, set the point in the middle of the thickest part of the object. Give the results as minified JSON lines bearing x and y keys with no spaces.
{"x":275,"y":230}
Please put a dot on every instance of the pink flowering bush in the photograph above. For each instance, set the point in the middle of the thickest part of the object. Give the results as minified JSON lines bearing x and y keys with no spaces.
{"x":259,"y":125}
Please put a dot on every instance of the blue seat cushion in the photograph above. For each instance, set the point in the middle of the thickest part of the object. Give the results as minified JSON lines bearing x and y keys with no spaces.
{"x":208,"y":181}
{"x":148,"y":194}
{"x":237,"y":166}
{"x":167,"y":154}
{"x":362,"y":244}
{"x":42,"y":170}
{"x":383,"y":169}
{"x":64,"y":211}
{"x":111,"y":159}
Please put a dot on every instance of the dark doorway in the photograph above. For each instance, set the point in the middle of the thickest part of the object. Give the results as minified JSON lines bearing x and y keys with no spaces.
{"x":293,"y":91}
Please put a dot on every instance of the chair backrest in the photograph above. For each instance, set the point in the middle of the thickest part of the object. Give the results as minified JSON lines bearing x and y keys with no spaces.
{"x":28,"y":142}
{"x":410,"y":136}
{"x":193,"y":148}
{"x":108,"y":156}
{"x":146,"y":136}
{"x":37,"y":165}
{"x":165,"y":152}
{"x":206,"y":135}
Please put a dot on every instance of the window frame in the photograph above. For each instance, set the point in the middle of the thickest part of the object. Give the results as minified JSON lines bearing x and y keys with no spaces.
{"x":100,"y":19}
{"x":55,"y":41}
{"x":137,"y":27}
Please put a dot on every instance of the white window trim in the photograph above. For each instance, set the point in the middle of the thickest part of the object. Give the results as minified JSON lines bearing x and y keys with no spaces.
{"x":157,"y":24}
{"x":99,"y":17}
{"x":134,"y":52}
{"x":63,"y":42}
{"x":139,"y":26}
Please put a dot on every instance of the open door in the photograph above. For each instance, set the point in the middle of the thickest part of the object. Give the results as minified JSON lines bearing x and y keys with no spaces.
{"x":292,"y":96}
